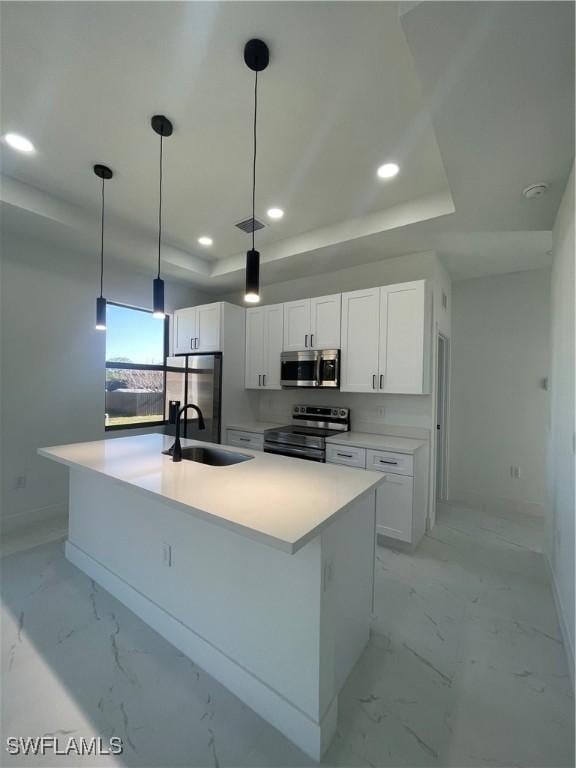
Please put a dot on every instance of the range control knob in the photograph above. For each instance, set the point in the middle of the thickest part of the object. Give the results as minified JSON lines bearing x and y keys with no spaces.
{"x":342,"y":412}
{"x":334,"y":411}
{"x":296,"y":409}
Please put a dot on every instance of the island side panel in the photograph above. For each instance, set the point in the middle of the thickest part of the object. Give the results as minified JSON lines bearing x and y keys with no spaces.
{"x":348,"y":548}
{"x":258,"y":606}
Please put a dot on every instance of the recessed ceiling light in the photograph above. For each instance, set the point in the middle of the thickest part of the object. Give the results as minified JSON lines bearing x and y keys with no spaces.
{"x":388,"y":170}
{"x":21,"y":143}
{"x":204,"y":240}
{"x":275,"y":213}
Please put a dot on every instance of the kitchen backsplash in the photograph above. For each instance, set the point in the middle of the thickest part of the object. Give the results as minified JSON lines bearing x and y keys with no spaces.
{"x":406,"y":415}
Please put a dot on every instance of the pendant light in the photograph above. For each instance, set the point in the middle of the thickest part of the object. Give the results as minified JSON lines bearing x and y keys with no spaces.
{"x":163,"y":127}
{"x":256,"y":57}
{"x":104,"y":173}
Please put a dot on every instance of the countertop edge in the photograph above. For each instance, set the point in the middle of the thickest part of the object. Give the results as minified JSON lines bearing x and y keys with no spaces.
{"x":282,"y":545}
{"x":362,"y":443}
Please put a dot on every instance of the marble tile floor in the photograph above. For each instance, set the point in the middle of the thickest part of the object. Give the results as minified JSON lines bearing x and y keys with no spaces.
{"x":465,"y":666}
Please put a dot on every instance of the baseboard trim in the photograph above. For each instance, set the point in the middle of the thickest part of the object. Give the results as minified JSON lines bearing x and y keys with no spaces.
{"x":21,"y":520}
{"x":496,"y":503}
{"x":313,"y":738}
{"x":567,"y":640}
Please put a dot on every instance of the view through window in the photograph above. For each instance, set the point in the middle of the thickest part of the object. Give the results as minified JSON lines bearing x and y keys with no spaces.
{"x":135,"y":373}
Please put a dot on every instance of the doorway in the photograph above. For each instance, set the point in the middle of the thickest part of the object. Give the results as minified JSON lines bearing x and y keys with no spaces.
{"x":442,"y":418}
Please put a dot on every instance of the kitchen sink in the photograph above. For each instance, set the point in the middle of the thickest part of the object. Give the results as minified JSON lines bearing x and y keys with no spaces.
{"x":213,"y":456}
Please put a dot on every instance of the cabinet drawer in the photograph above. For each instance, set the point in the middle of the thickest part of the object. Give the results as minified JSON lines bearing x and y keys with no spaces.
{"x":348,"y":455}
{"x":245,"y":439}
{"x":385,"y":461}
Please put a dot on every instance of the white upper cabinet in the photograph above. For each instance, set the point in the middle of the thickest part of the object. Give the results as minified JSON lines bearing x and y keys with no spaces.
{"x":404,"y":338}
{"x":254,"y":347}
{"x":296,"y":325}
{"x":198,"y":329}
{"x":386,"y":336}
{"x":360,"y":340}
{"x":208,"y":327}
{"x":312,"y":323}
{"x":264,"y":337}
{"x":184,"y":330}
{"x":273,"y":339}
{"x":325,"y":322}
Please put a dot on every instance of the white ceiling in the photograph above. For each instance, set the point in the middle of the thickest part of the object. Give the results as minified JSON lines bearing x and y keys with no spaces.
{"x":473,"y":100}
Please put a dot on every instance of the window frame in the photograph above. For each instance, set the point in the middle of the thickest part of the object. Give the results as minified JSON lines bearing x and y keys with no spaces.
{"x":140,"y":367}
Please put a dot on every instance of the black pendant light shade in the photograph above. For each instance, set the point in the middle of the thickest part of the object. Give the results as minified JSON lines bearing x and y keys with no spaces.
{"x":163,"y":127}
{"x":252,"y":295}
{"x":158,"y":298}
{"x":104,"y":173}
{"x":256,"y":58}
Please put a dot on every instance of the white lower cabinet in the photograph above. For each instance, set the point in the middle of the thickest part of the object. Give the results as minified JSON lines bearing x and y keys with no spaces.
{"x":241,"y":439}
{"x":394,"y":500}
{"x":401,"y":499}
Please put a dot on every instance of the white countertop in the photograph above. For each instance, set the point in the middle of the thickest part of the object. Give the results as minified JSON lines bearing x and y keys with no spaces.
{"x":281,"y":501}
{"x":249,"y":425}
{"x":378,"y":442}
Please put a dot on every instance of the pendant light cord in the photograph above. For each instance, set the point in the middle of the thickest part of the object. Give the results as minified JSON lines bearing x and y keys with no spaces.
{"x":102,"y":244}
{"x":160,"y":206}
{"x":254,"y":159}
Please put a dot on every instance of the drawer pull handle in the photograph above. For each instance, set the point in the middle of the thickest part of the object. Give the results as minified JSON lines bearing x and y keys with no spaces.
{"x":345,"y":455}
{"x":385,"y":461}
{"x":244,"y":439}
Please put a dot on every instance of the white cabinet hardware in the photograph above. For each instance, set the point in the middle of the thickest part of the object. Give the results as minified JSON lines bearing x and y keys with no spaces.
{"x":312,"y":323}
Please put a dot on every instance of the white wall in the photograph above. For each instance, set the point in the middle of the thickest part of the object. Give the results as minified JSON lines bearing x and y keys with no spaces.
{"x":561,"y":458}
{"x":500,"y":342}
{"x":52,"y":364}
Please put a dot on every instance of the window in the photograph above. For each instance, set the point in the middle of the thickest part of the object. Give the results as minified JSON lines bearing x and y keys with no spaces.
{"x":136,"y":348}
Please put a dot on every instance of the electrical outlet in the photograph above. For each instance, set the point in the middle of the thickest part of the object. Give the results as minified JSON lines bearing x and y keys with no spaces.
{"x":515,"y":472}
{"x":167,"y":555}
{"x":20,"y":482}
{"x":380,"y":412}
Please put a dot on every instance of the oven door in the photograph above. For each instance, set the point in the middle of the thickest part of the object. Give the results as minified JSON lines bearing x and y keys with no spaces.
{"x":299,"y":369}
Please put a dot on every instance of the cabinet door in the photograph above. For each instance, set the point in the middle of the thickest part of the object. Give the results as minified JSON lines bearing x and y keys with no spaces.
{"x":255,"y":319}
{"x":184,"y":330}
{"x":403,"y":338}
{"x":273,"y":340}
{"x":325,"y":322}
{"x":296,"y":325}
{"x":360,"y":336}
{"x":394,"y":507}
{"x":208,"y":328}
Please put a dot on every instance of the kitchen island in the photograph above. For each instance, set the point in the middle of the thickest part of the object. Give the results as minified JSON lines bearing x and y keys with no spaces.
{"x":261,"y":572}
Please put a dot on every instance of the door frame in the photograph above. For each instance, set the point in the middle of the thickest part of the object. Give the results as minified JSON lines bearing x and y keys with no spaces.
{"x":442,"y":456}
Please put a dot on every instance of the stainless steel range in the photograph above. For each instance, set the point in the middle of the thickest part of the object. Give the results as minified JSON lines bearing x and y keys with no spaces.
{"x":306,"y":437}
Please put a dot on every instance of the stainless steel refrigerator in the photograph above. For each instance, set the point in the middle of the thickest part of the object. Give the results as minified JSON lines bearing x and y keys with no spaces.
{"x":195,"y":379}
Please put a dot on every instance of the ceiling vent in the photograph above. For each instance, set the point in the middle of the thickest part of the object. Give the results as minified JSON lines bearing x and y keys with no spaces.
{"x":250,"y":225}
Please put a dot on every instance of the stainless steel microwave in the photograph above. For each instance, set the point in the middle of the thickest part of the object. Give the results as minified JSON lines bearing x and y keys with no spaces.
{"x":310,"y":368}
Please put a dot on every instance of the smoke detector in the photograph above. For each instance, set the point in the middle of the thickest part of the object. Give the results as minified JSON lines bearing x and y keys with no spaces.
{"x":535,"y":190}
